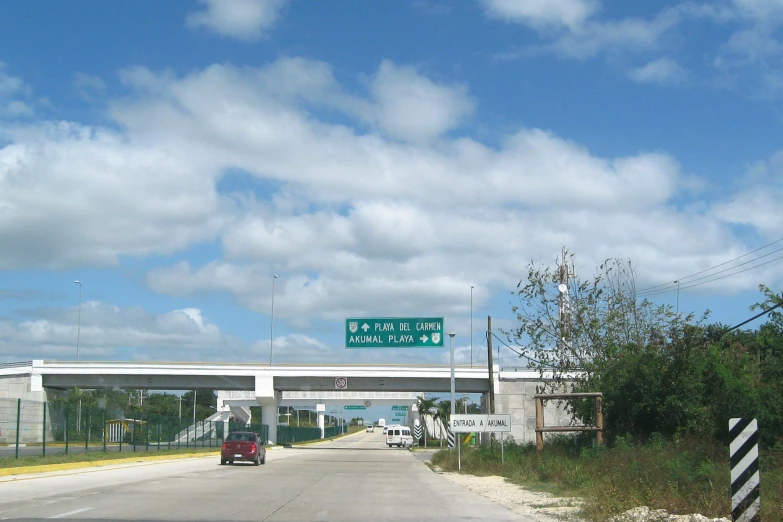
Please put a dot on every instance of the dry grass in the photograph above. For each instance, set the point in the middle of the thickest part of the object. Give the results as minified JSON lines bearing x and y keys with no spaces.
{"x":691,"y":476}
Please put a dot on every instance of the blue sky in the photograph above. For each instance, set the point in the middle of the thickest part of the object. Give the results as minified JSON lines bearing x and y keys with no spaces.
{"x":379,"y":157}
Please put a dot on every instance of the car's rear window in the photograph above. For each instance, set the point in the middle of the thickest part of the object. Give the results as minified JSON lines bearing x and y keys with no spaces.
{"x":248,"y":437}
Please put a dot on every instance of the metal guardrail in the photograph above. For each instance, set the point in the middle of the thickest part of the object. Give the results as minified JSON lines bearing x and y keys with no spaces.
{"x":22,"y":364}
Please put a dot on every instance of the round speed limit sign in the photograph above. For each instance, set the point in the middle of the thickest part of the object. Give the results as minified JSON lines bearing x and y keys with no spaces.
{"x":341,"y":383}
{"x":367,"y":404}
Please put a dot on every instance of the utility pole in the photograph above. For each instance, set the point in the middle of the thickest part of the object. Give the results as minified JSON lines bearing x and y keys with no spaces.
{"x":272,"y":323}
{"x":564,"y":308}
{"x":489,"y":365}
{"x":471,"y":326}
{"x":79,"y":320}
{"x":678,"y":297}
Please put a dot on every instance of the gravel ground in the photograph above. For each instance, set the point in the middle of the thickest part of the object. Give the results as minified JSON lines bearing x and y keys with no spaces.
{"x":530,"y":505}
{"x":543,"y":507}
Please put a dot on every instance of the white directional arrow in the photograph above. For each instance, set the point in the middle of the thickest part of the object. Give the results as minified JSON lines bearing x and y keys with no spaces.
{"x":365,"y":327}
{"x":424,"y":338}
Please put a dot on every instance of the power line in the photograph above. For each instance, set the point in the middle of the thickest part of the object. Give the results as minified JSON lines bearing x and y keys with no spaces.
{"x":743,"y":323}
{"x":713,"y":280}
{"x":520,"y":354}
{"x":690,"y":283}
{"x":713,"y":267}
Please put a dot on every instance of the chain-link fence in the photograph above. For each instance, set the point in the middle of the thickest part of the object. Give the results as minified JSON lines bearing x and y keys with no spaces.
{"x":32,"y":428}
{"x":332,"y":431}
{"x":261,"y":429}
{"x":291,"y":434}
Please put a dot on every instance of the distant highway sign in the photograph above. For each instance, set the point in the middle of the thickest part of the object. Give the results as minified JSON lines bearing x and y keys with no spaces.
{"x":394,"y":332}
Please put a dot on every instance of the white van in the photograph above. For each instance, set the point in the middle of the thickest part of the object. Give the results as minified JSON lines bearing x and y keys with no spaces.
{"x":399,"y":436}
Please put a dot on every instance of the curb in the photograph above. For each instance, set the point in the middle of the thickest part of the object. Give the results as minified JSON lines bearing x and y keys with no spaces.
{"x":43,"y":468}
{"x":322,"y":441}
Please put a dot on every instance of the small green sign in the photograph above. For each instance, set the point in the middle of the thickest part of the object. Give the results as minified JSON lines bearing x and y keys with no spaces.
{"x":354,"y":408}
{"x":399,"y":408}
{"x":394,"y":332}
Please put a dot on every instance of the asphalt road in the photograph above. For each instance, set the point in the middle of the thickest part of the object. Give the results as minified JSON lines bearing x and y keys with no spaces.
{"x":355,"y":478}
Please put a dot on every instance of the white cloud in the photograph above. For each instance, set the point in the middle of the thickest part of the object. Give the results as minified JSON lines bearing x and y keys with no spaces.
{"x":768,"y":11}
{"x":11,"y":89}
{"x":664,"y":71}
{"x":109,"y":332}
{"x":241,"y":19}
{"x":71,"y":195}
{"x":413,"y":107}
{"x":628,"y":34}
{"x":354,"y":223}
{"x":757,"y":202}
{"x":17,"y":108}
{"x":570,"y":29}
{"x":543,"y":13}
{"x":88,"y":86}
{"x":752,"y":57}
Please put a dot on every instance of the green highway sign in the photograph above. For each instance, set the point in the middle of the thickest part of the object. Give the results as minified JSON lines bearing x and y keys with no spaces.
{"x":354,"y":407}
{"x":394,"y":332}
{"x":399,"y":408}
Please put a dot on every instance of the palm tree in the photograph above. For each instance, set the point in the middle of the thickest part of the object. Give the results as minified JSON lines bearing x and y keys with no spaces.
{"x":424,"y":405}
{"x":444,"y":412}
{"x":462,"y":404}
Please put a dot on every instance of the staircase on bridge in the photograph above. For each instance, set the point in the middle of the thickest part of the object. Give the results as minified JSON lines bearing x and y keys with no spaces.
{"x":202,"y":430}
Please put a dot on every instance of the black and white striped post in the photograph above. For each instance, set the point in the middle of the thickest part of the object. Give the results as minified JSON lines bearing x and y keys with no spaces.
{"x":450,"y":437}
{"x":744,"y":452}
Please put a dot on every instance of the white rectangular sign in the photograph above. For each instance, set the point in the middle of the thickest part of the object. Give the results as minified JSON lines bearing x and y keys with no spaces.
{"x":497,"y":423}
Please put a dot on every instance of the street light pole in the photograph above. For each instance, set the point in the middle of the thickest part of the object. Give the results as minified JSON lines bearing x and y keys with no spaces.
{"x":471,"y":326}
{"x":79,"y":320}
{"x":272,"y":323}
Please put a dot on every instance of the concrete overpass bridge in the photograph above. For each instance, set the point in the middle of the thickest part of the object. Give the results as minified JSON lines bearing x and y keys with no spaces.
{"x":266,"y":385}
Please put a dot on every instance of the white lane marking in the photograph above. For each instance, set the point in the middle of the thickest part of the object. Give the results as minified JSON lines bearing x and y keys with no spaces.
{"x":226,"y":474}
{"x":69,"y":513}
{"x":41,"y":503}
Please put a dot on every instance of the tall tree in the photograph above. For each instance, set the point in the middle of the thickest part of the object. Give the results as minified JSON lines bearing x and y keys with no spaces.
{"x":566,"y":322}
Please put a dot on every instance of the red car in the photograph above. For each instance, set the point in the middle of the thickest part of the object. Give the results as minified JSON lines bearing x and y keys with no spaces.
{"x":243,"y":446}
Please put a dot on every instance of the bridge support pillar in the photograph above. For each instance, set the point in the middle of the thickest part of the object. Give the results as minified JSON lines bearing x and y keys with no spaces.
{"x":321,"y":409}
{"x":269,"y":417}
{"x":269,"y":400}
